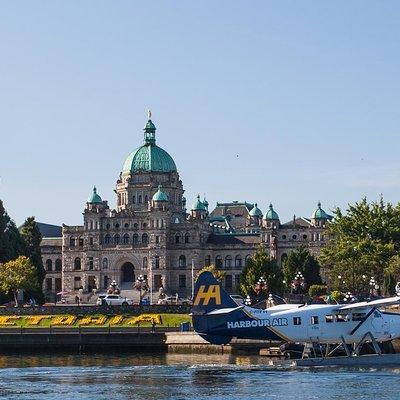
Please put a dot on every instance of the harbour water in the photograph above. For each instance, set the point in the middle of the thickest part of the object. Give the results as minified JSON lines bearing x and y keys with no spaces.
{"x":185,"y":377}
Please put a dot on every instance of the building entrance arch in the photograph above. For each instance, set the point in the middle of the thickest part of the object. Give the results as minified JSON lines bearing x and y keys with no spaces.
{"x":127,"y":273}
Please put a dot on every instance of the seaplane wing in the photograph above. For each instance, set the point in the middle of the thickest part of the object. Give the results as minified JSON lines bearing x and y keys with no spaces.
{"x":371,"y":304}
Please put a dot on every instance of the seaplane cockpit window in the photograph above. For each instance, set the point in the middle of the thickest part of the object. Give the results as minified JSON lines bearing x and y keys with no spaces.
{"x":377,"y":314}
{"x":314,"y":320}
{"x":328,"y":318}
{"x":296,"y":321}
{"x":358,"y":316}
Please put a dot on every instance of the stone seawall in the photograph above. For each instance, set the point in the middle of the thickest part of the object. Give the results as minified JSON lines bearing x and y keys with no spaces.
{"x":89,"y":310}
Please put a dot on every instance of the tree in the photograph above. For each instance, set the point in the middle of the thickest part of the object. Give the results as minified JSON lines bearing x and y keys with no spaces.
{"x":18,"y":274}
{"x":301,"y":260}
{"x":260,"y":265}
{"x":11,"y":243}
{"x":218,"y":274}
{"x":362,"y":244}
{"x":32,"y":237}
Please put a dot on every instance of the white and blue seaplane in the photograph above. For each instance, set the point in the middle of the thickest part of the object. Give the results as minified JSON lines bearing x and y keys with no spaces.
{"x":218,"y":319}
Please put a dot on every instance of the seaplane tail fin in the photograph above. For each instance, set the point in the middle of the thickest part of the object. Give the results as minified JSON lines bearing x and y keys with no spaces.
{"x":210,"y":296}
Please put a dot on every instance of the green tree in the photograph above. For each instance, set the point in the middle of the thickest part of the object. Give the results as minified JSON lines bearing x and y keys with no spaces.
{"x":362,"y":243}
{"x":301,"y":260}
{"x":18,"y":274}
{"x":11,"y":243}
{"x":32,"y":237}
{"x":257,"y":266}
{"x":218,"y":274}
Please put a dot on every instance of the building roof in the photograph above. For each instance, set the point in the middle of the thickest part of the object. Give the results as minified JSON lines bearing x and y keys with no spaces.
{"x":198,"y":205}
{"x":160,"y":195}
{"x":271,"y":214}
{"x":319,"y":213}
{"x":94,"y":197}
{"x":149,"y":157}
{"x":49,"y":231}
{"x":234,"y":239}
{"x":255,"y":212}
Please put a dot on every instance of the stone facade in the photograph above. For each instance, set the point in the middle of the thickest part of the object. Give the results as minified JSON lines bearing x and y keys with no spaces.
{"x":151,"y":233}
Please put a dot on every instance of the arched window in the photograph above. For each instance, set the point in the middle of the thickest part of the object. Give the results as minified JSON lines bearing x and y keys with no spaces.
{"x":140,"y":199}
{"x":182,"y":261}
{"x":117,"y":239}
{"x":105,"y":263}
{"x":107,"y":239}
{"x":145,"y":262}
{"x":238,"y":261}
{"x":133,"y":199}
{"x":135,"y":239}
{"x":247,"y":258}
{"x":72,"y":242}
{"x":228,"y":261}
{"x":207,"y":261}
{"x":187,"y":238}
{"x":126,"y":238}
{"x":146,"y":199}
{"x":145,"y":239}
{"x":49,"y":265}
{"x":58,"y":265}
{"x":77,"y":263}
{"x":177,"y":238}
{"x":218,"y":262}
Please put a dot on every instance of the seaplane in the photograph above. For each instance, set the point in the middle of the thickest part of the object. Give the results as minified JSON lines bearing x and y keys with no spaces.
{"x":218,"y":319}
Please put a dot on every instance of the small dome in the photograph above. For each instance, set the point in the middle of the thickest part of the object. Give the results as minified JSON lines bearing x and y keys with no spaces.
{"x":271,"y":214}
{"x":160,"y":195}
{"x":94,"y":197}
{"x":255,"y":211}
{"x":319,"y":213}
{"x":198,"y":205}
{"x":205,"y":202}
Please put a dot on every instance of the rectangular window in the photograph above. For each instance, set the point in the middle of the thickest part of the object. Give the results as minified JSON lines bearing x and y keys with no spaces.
{"x":228,"y":281}
{"x":91,"y":241}
{"x":58,"y":284}
{"x":182,"y":281}
{"x":157,"y":239}
{"x":72,"y":242}
{"x":314,"y":320}
{"x":49,"y":284}
{"x":77,"y":282}
{"x":80,"y":241}
{"x":90,"y":263}
{"x":296,"y":321}
{"x":328,"y":319}
{"x":340,"y":318}
{"x":237,"y":280}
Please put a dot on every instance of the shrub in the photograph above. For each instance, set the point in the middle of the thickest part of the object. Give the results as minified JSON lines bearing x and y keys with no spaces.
{"x":317,"y":290}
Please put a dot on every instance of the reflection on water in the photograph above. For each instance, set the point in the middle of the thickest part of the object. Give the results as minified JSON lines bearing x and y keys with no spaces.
{"x":174,"y":376}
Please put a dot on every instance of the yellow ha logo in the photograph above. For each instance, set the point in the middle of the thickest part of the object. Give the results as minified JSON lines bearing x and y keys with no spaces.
{"x":213,"y":292}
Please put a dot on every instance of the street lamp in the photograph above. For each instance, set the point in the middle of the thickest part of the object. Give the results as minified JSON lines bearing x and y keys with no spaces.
{"x":247,"y":301}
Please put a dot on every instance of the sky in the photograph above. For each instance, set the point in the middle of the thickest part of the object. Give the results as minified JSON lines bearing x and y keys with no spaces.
{"x":289,"y":102}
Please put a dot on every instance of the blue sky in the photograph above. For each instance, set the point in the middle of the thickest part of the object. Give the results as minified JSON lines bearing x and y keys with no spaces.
{"x":288,"y":102}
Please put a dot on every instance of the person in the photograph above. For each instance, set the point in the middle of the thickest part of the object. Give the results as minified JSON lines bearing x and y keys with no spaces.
{"x":76,"y":299}
{"x":176,"y":298}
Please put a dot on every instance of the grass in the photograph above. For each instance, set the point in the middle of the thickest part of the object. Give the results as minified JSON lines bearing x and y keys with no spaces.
{"x":168,"y":320}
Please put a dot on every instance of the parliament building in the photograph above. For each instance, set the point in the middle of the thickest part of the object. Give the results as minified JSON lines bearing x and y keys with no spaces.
{"x":154,"y":232}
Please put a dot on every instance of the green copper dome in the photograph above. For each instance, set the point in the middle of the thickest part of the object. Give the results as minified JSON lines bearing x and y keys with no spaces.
{"x":271,"y":214}
{"x":198,"y":205}
{"x":255,"y":211}
{"x":149,"y":157}
{"x":319,"y":213}
{"x":160,"y":195}
{"x":94,"y":197}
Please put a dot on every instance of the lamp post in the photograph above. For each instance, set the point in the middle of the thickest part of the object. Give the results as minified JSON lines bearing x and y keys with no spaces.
{"x":192,"y":279}
{"x":373,"y":285}
{"x":140,"y":281}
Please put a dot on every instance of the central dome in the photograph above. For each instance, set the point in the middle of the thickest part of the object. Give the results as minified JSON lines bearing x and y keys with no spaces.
{"x":149,"y":157}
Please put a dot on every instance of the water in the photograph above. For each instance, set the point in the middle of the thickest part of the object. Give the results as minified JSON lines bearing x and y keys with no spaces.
{"x":184,"y":377}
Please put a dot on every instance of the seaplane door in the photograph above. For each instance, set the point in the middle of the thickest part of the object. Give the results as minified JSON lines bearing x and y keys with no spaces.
{"x":379,"y":323}
{"x":314,"y":327}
